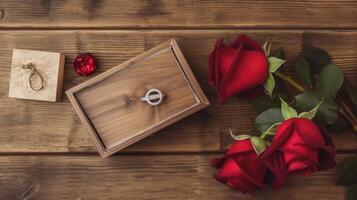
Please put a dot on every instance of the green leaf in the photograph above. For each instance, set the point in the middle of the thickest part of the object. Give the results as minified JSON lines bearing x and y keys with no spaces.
{"x":267,"y":118}
{"x":274,"y":64}
{"x":258,"y":144}
{"x":349,"y":172}
{"x":287,"y":111}
{"x":279,"y":53}
{"x":265,"y":102}
{"x":270,"y":131}
{"x":330,"y":81}
{"x":349,"y":89}
{"x":351,"y":193}
{"x":327,"y":112}
{"x":302,"y":69}
{"x":317,"y":58}
{"x":310,"y":114}
{"x":269,"y":84}
{"x":239,"y":137}
{"x":340,"y":125}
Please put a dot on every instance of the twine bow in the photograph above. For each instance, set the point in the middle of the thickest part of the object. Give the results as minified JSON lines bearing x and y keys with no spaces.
{"x":33,"y":72}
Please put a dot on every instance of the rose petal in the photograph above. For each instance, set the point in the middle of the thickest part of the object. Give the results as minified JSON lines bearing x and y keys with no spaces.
{"x":308,"y":131}
{"x":213,"y":62}
{"x":240,"y":167}
{"x":247,"y":43}
{"x":231,"y":170}
{"x":318,"y":139}
{"x":224,"y":57}
{"x":234,"y":73}
{"x":248,"y":71}
{"x":302,"y":166}
{"x":292,"y":155}
{"x":300,"y":146}
{"x":241,"y":146}
{"x":298,"y":165}
{"x":328,"y":153}
{"x":295,"y":146}
{"x":252,"y":166}
{"x":278,"y":171}
{"x":282,"y":133}
{"x":244,"y":155}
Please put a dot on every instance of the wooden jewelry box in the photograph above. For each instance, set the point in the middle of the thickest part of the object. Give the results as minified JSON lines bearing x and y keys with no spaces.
{"x":137,"y":98}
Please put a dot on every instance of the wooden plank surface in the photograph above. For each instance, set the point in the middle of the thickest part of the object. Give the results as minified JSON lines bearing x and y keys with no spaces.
{"x":45,"y":152}
{"x":33,"y":126}
{"x":142,"y":177}
{"x":178,"y":14}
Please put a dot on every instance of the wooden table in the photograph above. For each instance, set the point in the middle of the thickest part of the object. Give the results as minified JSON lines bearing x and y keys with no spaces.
{"x":47,"y":154}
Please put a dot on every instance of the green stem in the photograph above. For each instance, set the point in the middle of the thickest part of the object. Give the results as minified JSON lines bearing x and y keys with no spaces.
{"x":291,"y":81}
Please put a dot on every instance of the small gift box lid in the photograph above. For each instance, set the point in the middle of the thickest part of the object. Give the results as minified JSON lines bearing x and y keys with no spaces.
{"x":118,"y":107}
{"x":36,"y":75}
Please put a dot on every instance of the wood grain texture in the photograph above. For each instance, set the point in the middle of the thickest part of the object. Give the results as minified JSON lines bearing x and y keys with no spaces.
{"x":178,"y":14}
{"x":143,"y":177}
{"x":30,"y":126}
{"x":50,"y":134}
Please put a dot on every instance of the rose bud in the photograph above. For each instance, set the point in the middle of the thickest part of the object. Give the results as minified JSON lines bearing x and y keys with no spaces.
{"x":238,"y":69}
{"x":299,"y":146}
{"x":85,"y":64}
{"x":240,"y":168}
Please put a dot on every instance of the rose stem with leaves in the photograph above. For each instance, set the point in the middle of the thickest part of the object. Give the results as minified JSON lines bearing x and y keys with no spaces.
{"x":344,"y":110}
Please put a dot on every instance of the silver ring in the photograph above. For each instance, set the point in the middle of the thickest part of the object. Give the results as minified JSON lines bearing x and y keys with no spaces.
{"x":153,"y":97}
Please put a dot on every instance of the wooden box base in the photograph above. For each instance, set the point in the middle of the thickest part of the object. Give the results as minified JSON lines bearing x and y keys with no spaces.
{"x":110,"y":104}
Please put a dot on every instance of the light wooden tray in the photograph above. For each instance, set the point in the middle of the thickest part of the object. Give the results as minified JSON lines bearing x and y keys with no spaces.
{"x":109,"y":104}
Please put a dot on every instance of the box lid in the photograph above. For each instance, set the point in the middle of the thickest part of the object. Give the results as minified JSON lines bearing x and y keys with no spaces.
{"x":48,"y":71}
{"x":112,"y":105}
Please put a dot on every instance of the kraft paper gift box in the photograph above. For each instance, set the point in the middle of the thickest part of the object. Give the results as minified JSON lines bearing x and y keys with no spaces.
{"x":48,"y":67}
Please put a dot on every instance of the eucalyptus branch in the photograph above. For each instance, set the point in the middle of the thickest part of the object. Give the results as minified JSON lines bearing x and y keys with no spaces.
{"x":343,"y":109}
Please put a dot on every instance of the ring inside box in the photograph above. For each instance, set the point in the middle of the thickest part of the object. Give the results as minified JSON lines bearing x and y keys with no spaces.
{"x":111,"y":105}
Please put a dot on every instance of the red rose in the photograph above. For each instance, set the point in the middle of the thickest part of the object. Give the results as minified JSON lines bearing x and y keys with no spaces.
{"x":238,"y":69}
{"x":240,"y":168}
{"x":298,"y":146}
{"x":85,"y":64}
